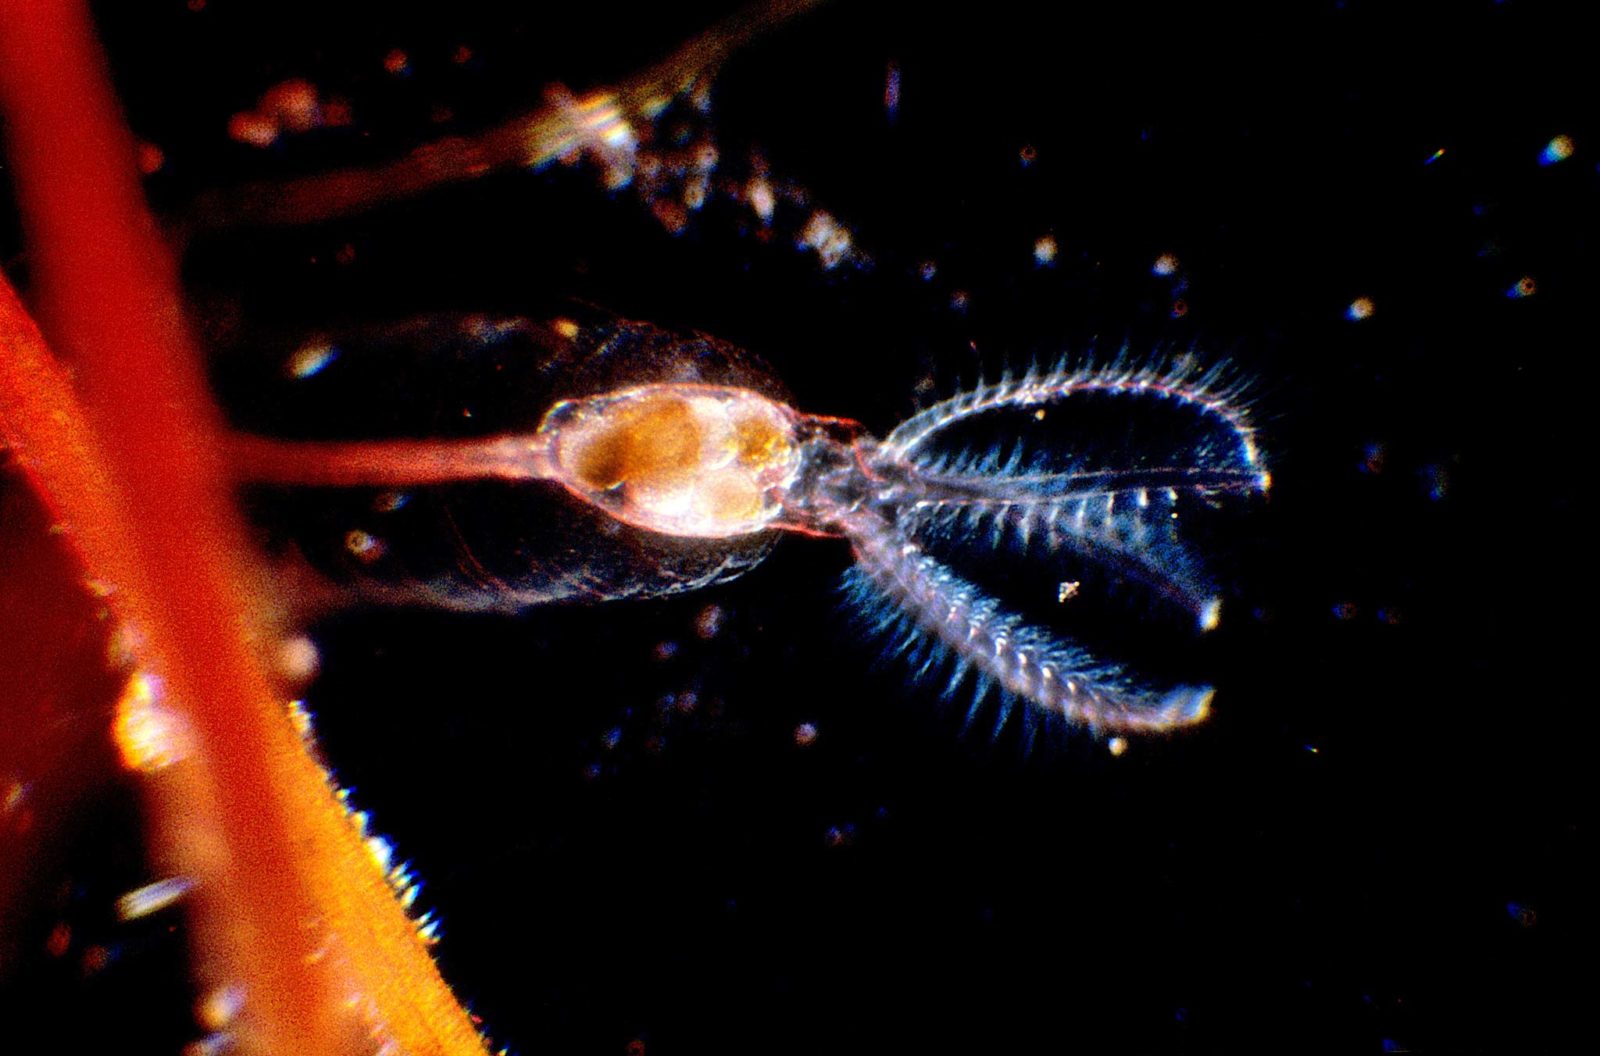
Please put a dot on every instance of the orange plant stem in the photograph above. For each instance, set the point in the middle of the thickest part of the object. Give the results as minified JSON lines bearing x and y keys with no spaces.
{"x":289,"y":906}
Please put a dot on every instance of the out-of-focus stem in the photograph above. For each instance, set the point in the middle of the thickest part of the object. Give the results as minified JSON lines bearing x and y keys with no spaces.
{"x":290,"y":905}
{"x":554,"y":131}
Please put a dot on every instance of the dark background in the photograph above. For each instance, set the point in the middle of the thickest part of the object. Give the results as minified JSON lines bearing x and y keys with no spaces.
{"x":1373,"y":845}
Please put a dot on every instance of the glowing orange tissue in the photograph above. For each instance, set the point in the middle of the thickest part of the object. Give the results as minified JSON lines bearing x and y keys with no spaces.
{"x":705,"y":461}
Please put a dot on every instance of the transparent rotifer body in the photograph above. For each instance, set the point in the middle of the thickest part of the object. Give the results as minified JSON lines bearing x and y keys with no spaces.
{"x":489,"y":543}
{"x":663,"y":462}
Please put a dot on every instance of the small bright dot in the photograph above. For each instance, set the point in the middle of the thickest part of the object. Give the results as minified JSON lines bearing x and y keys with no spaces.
{"x":828,"y":237}
{"x":1166,"y":264}
{"x":1067,"y":590}
{"x":397,"y":63}
{"x":218,"y":1008}
{"x":566,"y":328}
{"x":1558,"y":149}
{"x":1360,"y":308}
{"x":695,"y":192}
{"x":1117,"y":745}
{"x":252,"y":129}
{"x":1044,"y":250}
{"x":298,"y":658}
{"x":294,"y":104}
{"x":1523,"y":287}
{"x":308,"y":360}
{"x":363,"y":545}
{"x":805,"y":735}
{"x":762,"y":199}
{"x":709,"y":623}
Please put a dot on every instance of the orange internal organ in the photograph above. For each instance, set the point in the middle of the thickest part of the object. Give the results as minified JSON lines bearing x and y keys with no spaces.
{"x":651,"y":442}
{"x":682,"y":459}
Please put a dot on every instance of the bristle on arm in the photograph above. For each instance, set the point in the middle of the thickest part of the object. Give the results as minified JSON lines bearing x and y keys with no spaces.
{"x":1214,"y":393}
{"x":1027,"y":661}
